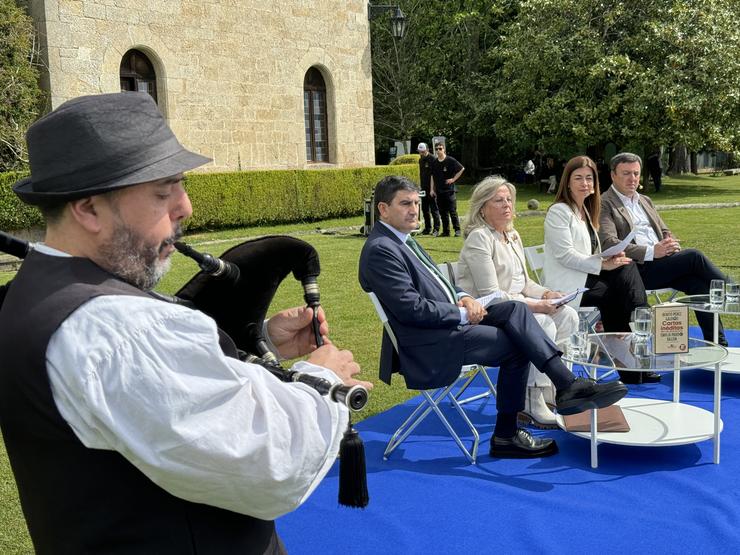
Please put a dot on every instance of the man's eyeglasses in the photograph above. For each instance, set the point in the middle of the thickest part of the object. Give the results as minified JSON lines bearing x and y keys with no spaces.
{"x":440,"y":148}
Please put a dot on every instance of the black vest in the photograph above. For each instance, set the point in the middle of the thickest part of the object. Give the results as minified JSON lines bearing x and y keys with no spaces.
{"x":75,"y":499}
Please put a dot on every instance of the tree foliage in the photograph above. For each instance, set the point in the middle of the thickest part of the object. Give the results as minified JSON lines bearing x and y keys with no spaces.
{"x":20,"y":95}
{"x":562,"y":75}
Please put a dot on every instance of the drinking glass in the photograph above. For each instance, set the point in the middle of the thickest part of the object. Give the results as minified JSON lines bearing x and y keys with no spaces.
{"x":642,"y":320}
{"x":579,"y":339}
{"x":732,"y":292}
{"x":717,"y":291}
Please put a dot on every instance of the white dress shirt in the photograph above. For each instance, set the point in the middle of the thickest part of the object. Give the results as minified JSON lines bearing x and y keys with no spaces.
{"x":644,"y":233}
{"x":148,"y":379}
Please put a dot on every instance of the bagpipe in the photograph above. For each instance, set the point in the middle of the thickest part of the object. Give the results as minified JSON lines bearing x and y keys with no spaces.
{"x":236,"y":290}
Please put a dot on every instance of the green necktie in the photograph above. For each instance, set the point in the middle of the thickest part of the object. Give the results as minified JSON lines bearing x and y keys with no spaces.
{"x":429,"y":263}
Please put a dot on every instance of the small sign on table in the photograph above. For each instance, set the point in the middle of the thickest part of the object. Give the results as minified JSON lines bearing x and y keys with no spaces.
{"x":671,"y":328}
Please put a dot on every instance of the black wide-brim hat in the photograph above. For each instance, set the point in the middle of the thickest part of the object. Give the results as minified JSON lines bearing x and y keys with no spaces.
{"x":95,"y":144}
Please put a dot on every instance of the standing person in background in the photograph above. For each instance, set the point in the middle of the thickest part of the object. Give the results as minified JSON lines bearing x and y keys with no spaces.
{"x":655,"y":168}
{"x":529,"y":171}
{"x":445,"y":172}
{"x":428,"y":202}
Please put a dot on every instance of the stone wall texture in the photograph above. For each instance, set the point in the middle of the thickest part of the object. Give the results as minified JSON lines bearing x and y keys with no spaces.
{"x":229,"y":72}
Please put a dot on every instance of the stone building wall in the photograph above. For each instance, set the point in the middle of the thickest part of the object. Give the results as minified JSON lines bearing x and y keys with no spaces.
{"x":229,"y":72}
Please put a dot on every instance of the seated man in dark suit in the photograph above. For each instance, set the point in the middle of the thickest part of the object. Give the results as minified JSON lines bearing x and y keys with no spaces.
{"x":440,"y":328}
{"x":660,"y":259}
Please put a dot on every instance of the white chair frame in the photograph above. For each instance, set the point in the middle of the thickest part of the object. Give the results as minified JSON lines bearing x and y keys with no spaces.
{"x":431,"y":400}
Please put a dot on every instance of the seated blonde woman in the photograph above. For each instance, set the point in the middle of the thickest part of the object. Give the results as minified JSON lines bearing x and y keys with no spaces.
{"x":492,"y":259}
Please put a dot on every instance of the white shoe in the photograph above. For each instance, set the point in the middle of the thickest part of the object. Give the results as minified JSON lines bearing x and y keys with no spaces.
{"x":536,"y":413}
{"x":548,"y":392}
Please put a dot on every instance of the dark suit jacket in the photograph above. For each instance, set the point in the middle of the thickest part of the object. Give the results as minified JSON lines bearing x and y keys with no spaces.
{"x":615,"y":223}
{"x":426,"y":324}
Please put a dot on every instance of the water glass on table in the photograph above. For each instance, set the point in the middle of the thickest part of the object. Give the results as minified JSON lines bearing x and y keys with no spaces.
{"x":642,"y":322}
{"x":732,"y":292}
{"x":717,"y":292}
{"x":579,"y":340}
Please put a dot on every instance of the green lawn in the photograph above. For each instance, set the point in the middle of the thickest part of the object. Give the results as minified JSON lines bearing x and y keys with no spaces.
{"x":352,"y":320}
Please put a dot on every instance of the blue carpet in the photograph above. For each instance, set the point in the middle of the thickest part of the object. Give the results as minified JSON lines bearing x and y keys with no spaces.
{"x":427,"y":499}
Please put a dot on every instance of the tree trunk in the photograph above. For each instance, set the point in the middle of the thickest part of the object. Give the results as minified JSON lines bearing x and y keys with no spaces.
{"x":693,"y":163}
{"x":470,"y":155}
{"x":680,"y":163}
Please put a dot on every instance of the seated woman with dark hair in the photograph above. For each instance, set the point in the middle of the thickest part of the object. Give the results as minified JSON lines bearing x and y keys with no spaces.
{"x":492,"y":259}
{"x":572,"y":255}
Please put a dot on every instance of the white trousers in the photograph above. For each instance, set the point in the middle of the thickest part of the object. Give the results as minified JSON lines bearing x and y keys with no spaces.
{"x":558,"y":326}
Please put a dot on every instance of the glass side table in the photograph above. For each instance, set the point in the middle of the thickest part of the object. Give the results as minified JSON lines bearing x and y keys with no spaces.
{"x":700,"y":303}
{"x":653,"y":422}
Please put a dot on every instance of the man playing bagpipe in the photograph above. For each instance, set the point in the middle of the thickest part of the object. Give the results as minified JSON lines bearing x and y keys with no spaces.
{"x":128,"y":428}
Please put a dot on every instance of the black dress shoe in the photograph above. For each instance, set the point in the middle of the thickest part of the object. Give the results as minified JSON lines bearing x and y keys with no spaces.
{"x":639,"y":377}
{"x":585,"y":393}
{"x":444,"y":234}
{"x":522,"y":446}
{"x":650,"y":377}
{"x":630,"y":377}
{"x":426,"y":231}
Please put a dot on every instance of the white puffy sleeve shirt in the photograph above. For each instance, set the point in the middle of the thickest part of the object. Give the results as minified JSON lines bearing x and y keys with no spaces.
{"x":148,"y":379}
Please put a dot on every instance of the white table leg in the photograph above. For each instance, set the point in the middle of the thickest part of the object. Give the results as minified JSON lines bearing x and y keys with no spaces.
{"x":676,"y":377}
{"x":594,"y":442}
{"x":717,"y":393}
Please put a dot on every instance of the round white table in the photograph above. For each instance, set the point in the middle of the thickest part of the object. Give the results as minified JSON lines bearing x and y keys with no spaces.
{"x":653,"y":422}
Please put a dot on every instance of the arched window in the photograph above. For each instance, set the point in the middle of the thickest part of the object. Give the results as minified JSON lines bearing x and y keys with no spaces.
{"x":137,"y":73}
{"x":314,"y":109}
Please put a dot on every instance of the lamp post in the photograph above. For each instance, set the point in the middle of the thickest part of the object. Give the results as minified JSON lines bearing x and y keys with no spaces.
{"x":398,"y":20}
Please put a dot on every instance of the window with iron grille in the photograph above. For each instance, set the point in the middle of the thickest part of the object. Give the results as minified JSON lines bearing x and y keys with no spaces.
{"x":137,"y":73}
{"x":314,"y":110}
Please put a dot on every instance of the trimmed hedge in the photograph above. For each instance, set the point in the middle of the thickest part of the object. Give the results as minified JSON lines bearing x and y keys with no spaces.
{"x":14,"y":213}
{"x":405,"y":159}
{"x":249,"y":198}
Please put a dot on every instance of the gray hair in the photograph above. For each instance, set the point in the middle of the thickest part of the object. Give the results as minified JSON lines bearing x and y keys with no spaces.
{"x":483,"y":192}
{"x":624,"y":158}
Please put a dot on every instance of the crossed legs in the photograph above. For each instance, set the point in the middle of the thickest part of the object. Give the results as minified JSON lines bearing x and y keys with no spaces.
{"x":688,"y":271}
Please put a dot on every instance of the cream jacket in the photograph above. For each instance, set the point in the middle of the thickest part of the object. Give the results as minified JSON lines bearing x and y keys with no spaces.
{"x":487,"y":264}
{"x":567,"y":251}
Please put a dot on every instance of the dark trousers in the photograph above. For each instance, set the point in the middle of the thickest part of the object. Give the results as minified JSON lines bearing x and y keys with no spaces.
{"x":430,"y":211}
{"x":447,"y":203}
{"x":509,"y":337}
{"x":688,"y":271}
{"x":616,"y":293}
{"x":655,"y":175}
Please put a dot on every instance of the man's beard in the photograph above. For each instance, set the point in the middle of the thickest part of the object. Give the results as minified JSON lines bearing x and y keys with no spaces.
{"x":131,"y":258}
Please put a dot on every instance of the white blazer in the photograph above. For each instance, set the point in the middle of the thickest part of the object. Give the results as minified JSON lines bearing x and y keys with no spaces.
{"x":568,"y":258}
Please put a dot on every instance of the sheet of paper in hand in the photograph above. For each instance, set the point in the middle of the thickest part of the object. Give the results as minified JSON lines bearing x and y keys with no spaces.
{"x":488,"y":300}
{"x":569,"y":297}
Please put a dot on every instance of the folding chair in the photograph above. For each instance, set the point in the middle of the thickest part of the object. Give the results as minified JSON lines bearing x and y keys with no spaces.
{"x":432,"y":399}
